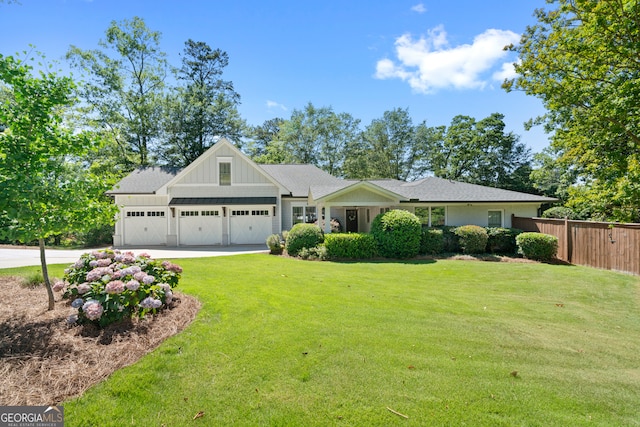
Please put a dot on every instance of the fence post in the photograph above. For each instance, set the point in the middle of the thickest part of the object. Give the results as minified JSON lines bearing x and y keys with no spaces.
{"x":567,"y":240}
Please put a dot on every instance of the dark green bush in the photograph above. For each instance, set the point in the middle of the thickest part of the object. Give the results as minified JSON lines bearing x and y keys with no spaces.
{"x":397,"y":234}
{"x":538,"y":246}
{"x":274,"y":243}
{"x":450,"y":240}
{"x":560,"y":212}
{"x":350,"y":246}
{"x":303,"y":236}
{"x":502,"y":240}
{"x":431,"y":241}
{"x":100,"y":235}
{"x":473,"y":239}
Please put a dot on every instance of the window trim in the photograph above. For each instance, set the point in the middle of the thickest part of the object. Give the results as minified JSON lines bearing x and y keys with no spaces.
{"x":220,"y":162}
{"x":501,"y":211}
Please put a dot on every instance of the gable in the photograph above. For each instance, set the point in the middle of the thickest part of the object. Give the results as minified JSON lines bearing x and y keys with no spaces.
{"x":350,"y":193}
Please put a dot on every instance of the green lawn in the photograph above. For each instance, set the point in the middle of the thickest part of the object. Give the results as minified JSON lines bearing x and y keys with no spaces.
{"x":287,"y":342}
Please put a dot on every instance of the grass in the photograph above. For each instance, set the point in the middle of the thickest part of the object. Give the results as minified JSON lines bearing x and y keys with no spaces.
{"x":285,"y":342}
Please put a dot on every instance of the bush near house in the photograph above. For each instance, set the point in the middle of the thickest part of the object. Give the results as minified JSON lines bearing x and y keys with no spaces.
{"x":350,"y":246}
{"x":274,"y":243}
{"x":450,"y":239}
{"x":431,"y":241}
{"x":303,"y":236}
{"x":560,"y":212}
{"x":397,"y":234}
{"x":502,"y":240}
{"x":537,"y":246}
{"x":473,"y":239}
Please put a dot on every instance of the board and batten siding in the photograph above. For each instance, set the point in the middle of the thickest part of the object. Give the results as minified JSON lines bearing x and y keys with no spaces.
{"x":130,"y":201}
{"x":267,"y":190}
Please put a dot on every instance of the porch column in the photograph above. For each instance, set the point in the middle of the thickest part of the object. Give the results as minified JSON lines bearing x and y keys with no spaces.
{"x":327,"y":219}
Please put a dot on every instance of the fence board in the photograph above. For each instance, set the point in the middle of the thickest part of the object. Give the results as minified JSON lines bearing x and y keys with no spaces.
{"x":610,"y":246}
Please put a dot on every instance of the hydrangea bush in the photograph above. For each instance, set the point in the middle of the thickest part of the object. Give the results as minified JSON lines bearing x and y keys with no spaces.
{"x":108,"y":285}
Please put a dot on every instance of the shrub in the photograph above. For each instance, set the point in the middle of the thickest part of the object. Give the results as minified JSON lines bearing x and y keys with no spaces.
{"x":318,"y":253}
{"x":108,"y":285}
{"x":538,"y":246}
{"x":560,"y":212}
{"x":502,"y":240}
{"x":431,"y":241}
{"x":350,"y":246}
{"x":450,"y":240}
{"x":397,"y":234}
{"x":99,"y":235}
{"x":473,"y":239}
{"x":274,"y":243}
{"x":303,"y":236}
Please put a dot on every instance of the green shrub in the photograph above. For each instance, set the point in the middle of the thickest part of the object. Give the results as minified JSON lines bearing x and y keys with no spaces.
{"x":397,"y":234}
{"x":318,"y":253}
{"x":97,"y":236}
{"x":350,"y":246}
{"x":473,"y":239}
{"x":450,"y":239}
{"x":303,"y":236}
{"x":538,"y":246}
{"x":502,"y":240}
{"x":274,"y":243}
{"x":560,"y":212}
{"x":431,"y":241}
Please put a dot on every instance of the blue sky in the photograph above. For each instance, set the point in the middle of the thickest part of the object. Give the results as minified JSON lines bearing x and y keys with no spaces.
{"x":436,"y":58}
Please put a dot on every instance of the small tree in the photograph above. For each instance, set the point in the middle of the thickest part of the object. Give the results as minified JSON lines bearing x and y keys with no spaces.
{"x":44,"y":192}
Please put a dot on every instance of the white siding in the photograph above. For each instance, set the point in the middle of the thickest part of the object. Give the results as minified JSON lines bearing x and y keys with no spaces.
{"x":479,"y":214}
{"x":224,"y":191}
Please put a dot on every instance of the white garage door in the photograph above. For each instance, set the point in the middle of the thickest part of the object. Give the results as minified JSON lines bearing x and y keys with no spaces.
{"x":200,"y":227}
{"x":145,"y":228}
{"x":249,"y":225}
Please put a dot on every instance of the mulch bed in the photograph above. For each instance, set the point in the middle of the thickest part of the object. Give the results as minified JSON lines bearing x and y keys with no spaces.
{"x":44,"y":361}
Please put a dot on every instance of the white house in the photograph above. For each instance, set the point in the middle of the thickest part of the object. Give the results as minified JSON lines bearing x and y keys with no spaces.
{"x":224,"y":198}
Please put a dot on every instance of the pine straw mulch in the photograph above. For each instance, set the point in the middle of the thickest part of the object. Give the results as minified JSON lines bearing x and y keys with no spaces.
{"x":44,"y":361}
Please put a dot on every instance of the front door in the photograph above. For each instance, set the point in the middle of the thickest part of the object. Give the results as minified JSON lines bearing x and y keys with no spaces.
{"x":352,"y":221}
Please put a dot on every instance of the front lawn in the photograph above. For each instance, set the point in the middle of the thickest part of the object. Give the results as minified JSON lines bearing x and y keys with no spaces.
{"x":286,"y":342}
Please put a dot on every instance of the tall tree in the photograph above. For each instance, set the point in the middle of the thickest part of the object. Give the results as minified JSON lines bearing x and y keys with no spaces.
{"x":43,"y":191}
{"x":203,"y":109}
{"x":481,"y":152}
{"x":125,"y":86}
{"x":261,"y":138}
{"x":581,"y":60}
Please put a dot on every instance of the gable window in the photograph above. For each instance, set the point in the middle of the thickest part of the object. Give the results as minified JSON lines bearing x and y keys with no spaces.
{"x":495,"y":218}
{"x":224,"y":173}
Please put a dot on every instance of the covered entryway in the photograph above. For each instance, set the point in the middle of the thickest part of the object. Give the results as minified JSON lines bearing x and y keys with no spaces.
{"x":351,"y":225}
{"x":249,"y":224}
{"x":200,"y":227}
{"x":144,"y":227}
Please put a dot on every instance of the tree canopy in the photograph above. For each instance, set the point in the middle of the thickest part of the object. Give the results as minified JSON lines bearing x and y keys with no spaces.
{"x":582,"y":60}
{"x":45,"y":189}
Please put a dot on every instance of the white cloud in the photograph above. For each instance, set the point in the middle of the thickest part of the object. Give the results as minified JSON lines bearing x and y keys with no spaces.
{"x":273,"y":104}
{"x":419,"y":8}
{"x":506,"y":72}
{"x":430,"y":63}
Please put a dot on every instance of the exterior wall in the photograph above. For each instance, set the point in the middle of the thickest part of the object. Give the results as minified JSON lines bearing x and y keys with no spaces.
{"x":141,"y":202}
{"x":479,"y":214}
{"x":269,"y":190}
{"x":361,"y":195}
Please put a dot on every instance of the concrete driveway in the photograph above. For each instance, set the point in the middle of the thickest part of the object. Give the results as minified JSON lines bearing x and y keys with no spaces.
{"x":21,"y":257}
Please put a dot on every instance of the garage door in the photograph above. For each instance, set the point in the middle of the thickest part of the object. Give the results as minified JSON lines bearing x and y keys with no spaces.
{"x":249,"y":225}
{"x":200,"y":227}
{"x":145,"y":228}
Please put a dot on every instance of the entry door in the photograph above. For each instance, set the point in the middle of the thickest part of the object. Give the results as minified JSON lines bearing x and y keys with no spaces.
{"x":352,"y":221}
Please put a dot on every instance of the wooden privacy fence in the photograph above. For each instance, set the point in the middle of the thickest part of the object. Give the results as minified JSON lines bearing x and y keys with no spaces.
{"x":606,"y":245}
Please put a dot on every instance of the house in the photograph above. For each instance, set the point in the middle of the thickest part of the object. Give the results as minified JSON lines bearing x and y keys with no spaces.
{"x":224,"y":198}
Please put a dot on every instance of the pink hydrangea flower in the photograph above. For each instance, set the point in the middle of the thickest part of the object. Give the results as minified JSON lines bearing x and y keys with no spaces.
{"x":149,"y":302}
{"x":104,"y":262}
{"x":139,"y":276}
{"x":83,"y":288}
{"x":92,"y":309}
{"x":133,"y":285}
{"x":115,"y":287}
{"x":58,"y":286}
{"x":148,"y":279}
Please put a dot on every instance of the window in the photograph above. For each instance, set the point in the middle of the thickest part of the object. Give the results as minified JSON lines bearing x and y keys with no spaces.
{"x":495,"y":219}
{"x":135,"y":213}
{"x":431,"y":216}
{"x":210,"y":213}
{"x":437,"y":216}
{"x":155,"y":213}
{"x":264,"y":212}
{"x":189,"y":213}
{"x":305,"y":214}
{"x":240,"y":213}
{"x":384,"y":210}
{"x":225,"y":173}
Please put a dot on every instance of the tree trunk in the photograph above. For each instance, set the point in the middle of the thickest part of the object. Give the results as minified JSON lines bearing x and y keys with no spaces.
{"x":45,"y":274}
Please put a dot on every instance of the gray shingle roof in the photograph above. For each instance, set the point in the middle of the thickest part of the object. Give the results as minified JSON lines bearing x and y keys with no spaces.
{"x":298,"y":178}
{"x":144,"y":180}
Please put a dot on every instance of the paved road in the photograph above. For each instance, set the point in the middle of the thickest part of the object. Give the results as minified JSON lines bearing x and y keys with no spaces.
{"x":21,"y":257}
